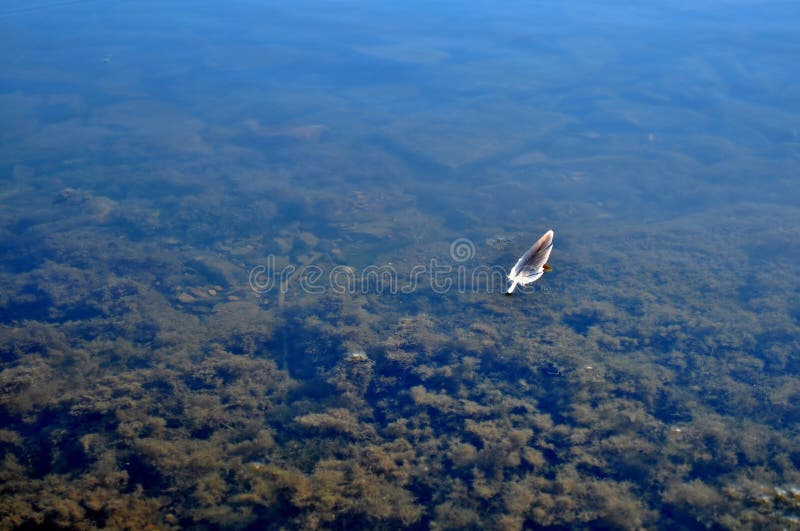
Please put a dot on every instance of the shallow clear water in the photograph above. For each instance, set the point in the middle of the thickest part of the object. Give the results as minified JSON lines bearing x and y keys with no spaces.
{"x":252,"y":257}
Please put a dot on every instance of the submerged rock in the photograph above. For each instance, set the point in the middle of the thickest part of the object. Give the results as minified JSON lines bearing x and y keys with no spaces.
{"x":186,"y":298}
{"x":357,"y":357}
{"x":98,"y":207}
{"x":71,"y":196}
{"x":499,"y":242}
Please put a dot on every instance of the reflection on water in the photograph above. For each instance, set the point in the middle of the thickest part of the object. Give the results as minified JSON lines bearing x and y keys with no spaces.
{"x":154,"y":156}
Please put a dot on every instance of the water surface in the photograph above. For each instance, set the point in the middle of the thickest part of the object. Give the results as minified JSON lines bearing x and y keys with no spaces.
{"x":251,"y":264}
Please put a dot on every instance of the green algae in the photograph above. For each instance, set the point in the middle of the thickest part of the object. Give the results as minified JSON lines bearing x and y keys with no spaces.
{"x":626,"y":402}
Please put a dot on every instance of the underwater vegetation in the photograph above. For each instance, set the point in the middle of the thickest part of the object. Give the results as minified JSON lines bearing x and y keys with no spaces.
{"x":144,"y":385}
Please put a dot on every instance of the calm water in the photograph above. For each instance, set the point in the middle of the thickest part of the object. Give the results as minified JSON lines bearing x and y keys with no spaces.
{"x":252,"y":257}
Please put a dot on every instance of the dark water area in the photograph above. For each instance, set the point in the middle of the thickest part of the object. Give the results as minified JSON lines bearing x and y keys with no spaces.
{"x":252,"y":258}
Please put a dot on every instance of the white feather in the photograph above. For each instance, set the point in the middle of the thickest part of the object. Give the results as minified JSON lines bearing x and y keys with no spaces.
{"x":530,"y":265}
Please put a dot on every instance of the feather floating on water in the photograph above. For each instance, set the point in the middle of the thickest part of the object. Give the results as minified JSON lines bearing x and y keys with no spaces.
{"x":533,"y":263}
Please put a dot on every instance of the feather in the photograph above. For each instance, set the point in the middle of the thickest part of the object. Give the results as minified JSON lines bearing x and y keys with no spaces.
{"x":531,"y":265}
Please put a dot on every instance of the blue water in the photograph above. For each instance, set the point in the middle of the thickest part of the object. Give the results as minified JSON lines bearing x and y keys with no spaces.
{"x":252,"y":257}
